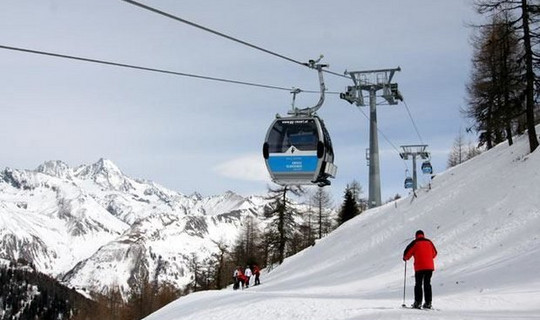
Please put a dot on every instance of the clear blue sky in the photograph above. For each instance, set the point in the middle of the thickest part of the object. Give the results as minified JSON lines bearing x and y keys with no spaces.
{"x":193,"y":135}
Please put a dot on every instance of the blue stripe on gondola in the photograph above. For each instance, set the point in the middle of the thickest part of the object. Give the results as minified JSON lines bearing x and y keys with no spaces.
{"x":293,"y":163}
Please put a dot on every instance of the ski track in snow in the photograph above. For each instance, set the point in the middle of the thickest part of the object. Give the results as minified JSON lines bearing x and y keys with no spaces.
{"x":282,"y":305}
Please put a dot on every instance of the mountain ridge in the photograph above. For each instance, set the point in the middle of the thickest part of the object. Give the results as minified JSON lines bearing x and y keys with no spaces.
{"x":74,"y":223}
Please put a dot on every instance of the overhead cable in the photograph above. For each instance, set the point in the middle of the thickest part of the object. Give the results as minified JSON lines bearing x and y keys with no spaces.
{"x":168,"y":15}
{"x":414,"y":123}
{"x":123,"y":65}
{"x":385,"y":138}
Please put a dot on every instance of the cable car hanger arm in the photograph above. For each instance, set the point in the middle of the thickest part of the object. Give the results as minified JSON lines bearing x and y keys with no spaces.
{"x":314,"y":64}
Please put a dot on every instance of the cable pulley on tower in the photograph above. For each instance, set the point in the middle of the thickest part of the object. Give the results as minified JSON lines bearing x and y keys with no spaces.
{"x":412,"y":152}
{"x":372,"y":80}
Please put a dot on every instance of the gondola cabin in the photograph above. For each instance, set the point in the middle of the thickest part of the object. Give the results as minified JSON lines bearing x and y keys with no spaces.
{"x":427,"y":168}
{"x":409,"y":183}
{"x":298,"y":151}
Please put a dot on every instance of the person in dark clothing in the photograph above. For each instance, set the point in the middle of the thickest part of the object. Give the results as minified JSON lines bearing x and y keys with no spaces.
{"x":257,"y":273}
{"x":423,"y":251}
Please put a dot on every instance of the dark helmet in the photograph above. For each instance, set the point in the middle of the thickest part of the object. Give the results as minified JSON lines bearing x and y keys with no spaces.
{"x":419,"y":232}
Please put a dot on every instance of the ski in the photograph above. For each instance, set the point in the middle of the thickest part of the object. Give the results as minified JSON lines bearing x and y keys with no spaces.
{"x":424,"y":309}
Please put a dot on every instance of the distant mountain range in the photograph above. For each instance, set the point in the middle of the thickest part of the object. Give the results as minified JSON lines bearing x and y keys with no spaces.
{"x":93,"y":227}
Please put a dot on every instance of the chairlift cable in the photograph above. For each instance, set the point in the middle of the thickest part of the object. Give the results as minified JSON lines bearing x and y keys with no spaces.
{"x":221,"y":34}
{"x":386,"y":138}
{"x":413,"y":122}
{"x":123,"y":65}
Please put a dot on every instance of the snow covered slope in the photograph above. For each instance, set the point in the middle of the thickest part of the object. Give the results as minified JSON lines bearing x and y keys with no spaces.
{"x":95,"y":228}
{"x":484,"y":218}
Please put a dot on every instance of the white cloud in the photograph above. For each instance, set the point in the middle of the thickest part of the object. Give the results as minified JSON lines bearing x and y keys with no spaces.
{"x":249,"y":167}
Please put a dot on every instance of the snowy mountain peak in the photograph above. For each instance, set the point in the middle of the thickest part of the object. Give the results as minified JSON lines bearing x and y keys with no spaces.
{"x":55,"y":168}
{"x":196,"y":196}
{"x":102,"y":166}
{"x":75,"y":223}
{"x":106,"y":174}
{"x":231,"y":194}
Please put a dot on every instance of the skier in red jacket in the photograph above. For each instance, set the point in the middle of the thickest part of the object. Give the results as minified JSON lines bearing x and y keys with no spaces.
{"x":239,"y":278}
{"x":423,"y":251}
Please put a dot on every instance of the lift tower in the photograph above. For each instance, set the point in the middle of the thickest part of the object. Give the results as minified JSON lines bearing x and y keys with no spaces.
{"x":413,"y":151}
{"x":373,"y":81}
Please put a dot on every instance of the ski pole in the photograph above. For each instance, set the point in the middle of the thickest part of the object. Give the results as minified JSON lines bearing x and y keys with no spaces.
{"x":404,"y":283}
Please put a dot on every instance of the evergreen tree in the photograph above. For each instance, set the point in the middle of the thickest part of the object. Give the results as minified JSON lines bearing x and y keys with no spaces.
{"x":349,"y":208}
{"x":28,"y":294}
{"x":357,"y":191}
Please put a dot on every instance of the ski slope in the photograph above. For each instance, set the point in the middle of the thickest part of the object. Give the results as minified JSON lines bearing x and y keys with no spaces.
{"x":484,"y":218}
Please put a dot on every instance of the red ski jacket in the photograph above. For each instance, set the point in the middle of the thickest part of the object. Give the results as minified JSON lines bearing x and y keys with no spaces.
{"x":423,"y":251}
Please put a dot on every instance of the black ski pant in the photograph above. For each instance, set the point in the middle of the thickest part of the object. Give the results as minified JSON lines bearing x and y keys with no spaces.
{"x":422,"y":277}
